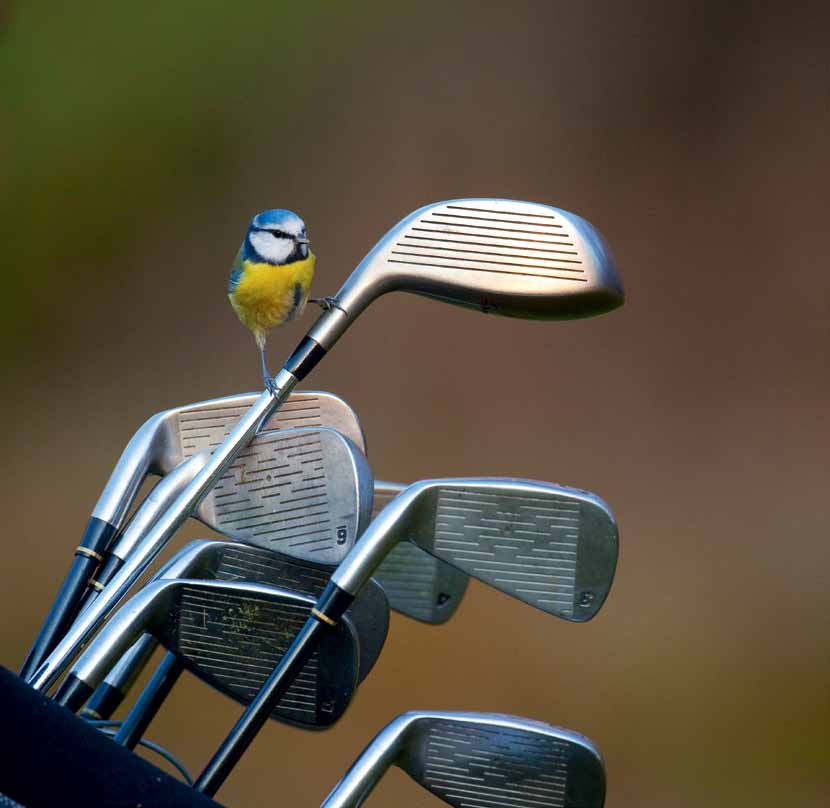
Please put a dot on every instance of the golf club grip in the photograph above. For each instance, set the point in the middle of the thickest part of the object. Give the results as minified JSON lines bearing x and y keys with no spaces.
{"x":149,"y":702}
{"x":330,"y":606}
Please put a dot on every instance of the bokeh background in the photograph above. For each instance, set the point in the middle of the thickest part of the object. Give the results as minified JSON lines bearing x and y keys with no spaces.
{"x":139,"y":140}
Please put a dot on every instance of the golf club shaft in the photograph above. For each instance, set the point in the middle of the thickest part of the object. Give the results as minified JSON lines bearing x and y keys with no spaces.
{"x":329,"y":609}
{"x":149,"y":702}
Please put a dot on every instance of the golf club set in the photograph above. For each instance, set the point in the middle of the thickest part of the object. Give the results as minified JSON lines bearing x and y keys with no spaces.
{"x":288,"y":613}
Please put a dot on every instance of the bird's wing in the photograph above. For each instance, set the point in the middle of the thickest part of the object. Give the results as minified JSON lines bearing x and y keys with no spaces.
{"x":237,"y":271}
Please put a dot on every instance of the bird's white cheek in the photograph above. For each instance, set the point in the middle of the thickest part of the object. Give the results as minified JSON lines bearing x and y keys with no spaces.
{"x":275,"y":250}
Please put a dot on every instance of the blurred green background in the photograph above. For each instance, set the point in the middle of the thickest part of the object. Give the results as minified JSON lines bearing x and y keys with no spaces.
{"x":139,"y":139}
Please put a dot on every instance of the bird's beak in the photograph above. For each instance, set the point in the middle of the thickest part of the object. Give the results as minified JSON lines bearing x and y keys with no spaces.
{"x":301,"y":240}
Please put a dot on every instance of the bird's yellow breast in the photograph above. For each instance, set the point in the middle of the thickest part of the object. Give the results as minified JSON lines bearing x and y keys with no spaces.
{"x":267,"y":295}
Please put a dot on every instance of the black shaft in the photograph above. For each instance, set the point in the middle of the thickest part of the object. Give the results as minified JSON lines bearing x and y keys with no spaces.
{"x":259,"y":710}
{"x":96,"y":540}
{"x":330,"y":606}
{"x":149,"y":702}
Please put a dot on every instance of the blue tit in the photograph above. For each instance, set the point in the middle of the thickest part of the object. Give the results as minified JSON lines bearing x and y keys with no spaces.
{"x":271,"y":276}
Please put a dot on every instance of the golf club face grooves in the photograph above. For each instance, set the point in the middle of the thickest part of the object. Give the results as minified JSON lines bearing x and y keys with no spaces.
{"x":232,"y":561}
{"x":233,"y":640}
{"x":498,"y":256}
{"x":305,"y":492}
{"x":478,"y":764}
{"x":550,"y":546}
{"x":198,"y":428}
{"x":169,"y":437}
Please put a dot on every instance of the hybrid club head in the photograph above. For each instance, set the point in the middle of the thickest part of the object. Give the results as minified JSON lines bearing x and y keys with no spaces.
{"x":417,"y":584}
{"x":500,"y":256}
{"x":480,"y":760}
{"x":230,"y":634}
{"x":547,"y":545}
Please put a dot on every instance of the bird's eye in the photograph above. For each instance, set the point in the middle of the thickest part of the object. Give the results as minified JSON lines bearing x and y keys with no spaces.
{"x":278,"y":234}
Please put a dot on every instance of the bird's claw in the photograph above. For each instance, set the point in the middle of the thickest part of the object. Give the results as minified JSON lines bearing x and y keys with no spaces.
{"x":326,"y":303}
{"x":271,"y":385}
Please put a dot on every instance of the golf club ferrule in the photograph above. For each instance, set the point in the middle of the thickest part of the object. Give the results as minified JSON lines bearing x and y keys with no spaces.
{"x":331,"y":604}
{"x":304,"y":359}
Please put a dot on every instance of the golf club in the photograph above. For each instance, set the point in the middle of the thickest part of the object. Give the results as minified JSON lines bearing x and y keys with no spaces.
{"x":480,"y":760}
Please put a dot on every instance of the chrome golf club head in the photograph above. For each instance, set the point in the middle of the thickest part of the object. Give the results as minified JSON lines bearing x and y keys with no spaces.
{"x":162,"y":443}
{"x":297,"y":491}
{"x":231,"y":561}
{"x":230,"y":634}
{"x":235,"y":561}
{"x":480,"y":760}
{"x":417,"y":584}
{"x":547,"y":545}
{"x":172,"y":436}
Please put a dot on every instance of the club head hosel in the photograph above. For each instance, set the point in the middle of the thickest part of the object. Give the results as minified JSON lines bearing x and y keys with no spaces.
{"x":332,"y":604}
{"x":385,"y":531}
{"x":369,"y":767}
{"x":122,"y":631}
{"x":361,"y":288}
{"x":135,"y":463}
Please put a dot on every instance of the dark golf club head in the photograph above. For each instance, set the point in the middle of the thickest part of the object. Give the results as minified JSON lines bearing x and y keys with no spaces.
{"x":417,"y":584}
{"x":547,"y":545}
{"x":230,"y":634}
{"x":233,"y":561}
{"x":480,"y":760}
{"x":500,"y":256}
{"x":304,"y":492}
{"x":170,"y":437}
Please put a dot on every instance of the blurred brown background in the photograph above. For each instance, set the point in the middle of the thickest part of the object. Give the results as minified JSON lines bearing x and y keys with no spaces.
{"x":140,"y":140}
